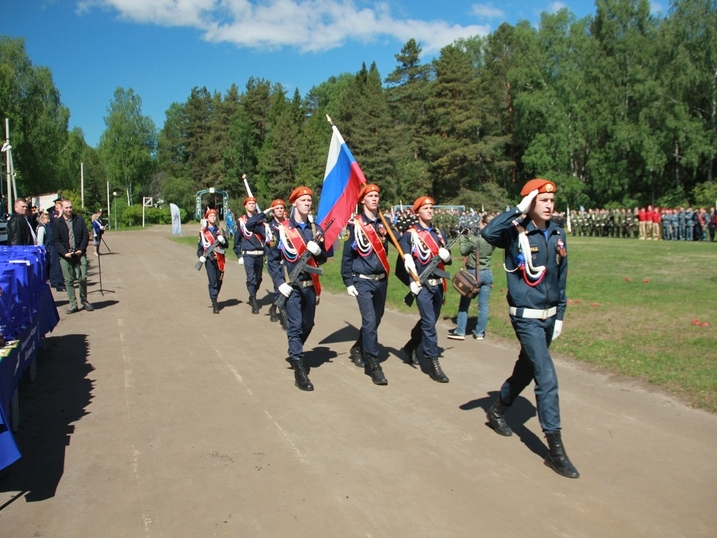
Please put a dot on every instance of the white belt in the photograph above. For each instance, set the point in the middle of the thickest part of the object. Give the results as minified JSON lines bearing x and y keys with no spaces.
{"x":379,"y":276}
{"x":533,"y":313}
{"x":305,"y":283}
{"x":434,"y":282}
{"x":254,"y":252}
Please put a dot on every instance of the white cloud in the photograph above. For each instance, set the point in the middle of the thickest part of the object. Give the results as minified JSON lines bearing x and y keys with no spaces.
{"x":307,"y":25}
{"x":487,"y":11}
{"x":556,"y":6}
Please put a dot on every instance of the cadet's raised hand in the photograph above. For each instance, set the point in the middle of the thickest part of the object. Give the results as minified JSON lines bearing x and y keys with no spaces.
{"x":524,"y":204}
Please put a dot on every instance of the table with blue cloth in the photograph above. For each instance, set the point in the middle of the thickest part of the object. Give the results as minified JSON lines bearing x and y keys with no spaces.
{"x":27,"y":314}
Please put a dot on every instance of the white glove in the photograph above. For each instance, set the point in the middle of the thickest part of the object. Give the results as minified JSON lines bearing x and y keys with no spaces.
{"x":221,"y":239}
{"x":353,"y":292}
{"x":285,"y":289}
{"x":557,"y":328}
{"x":268,"y":212}
{"x":444,"y":254}
{"x":524,"y":204}
{"x":313,"y":247}
{"x":241,"y":260}
{"x":202,"y":259}
{"x":415,"y":287}
{"x":409,"y":264}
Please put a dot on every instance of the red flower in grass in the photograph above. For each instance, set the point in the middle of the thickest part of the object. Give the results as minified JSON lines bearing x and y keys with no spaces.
{"x":704,"y":324}
{"x":645,"y":280}
{"x":594,"y":304}
{"x":570,"y":301}
{"x":576,"y":301}
{"x":695,"y":321}
{"x":628,"y":279}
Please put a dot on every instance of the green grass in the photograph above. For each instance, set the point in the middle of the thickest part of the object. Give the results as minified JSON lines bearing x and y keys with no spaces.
{"x":615,"y":320}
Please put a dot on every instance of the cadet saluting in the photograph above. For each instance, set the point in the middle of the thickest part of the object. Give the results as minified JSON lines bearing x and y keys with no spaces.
{"x":249,"y":247}
{"x":296,"y":235}
{"x":364,"y":269}
{"x":537,"y":266}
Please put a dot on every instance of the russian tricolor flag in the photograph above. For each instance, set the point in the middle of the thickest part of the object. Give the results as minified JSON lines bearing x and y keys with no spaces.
{"x":342,"y":182}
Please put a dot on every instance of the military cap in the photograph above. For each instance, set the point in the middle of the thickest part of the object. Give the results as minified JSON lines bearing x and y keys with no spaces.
{"x":367,"y":187}
{"x":421,"y":201}
{"x":298,"y":192}
{"x":542,"y":185}
{"x":249,"y":199}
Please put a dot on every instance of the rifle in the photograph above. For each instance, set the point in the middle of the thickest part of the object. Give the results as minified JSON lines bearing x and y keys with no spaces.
{"x":211,"y":249}
{"x":302,"y":266}
{"x":432,"y":268}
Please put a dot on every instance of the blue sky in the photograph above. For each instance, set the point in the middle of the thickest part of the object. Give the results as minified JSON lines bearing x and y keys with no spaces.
{"x":163,"y":48}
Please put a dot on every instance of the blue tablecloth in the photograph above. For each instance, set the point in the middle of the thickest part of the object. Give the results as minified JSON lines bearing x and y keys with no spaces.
{"x":27,"y":312}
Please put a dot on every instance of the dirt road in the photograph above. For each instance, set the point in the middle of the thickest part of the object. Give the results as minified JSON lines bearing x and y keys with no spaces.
{"x":153,"y":417}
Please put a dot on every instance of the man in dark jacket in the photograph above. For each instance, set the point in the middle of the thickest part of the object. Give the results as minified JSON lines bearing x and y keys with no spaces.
{"x":70,"y":237}
{"x":19,"y":230}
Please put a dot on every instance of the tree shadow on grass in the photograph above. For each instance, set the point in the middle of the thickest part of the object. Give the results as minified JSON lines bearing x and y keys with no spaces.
{"x":516,"y":416}
{"x":49,"y":408}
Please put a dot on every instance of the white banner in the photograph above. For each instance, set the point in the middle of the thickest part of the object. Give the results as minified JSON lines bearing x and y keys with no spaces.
{"x":176,"y":219}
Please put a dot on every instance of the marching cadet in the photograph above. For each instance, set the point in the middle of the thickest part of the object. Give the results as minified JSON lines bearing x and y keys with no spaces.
{"x":278,"y":214}
{"x":249,"y":246}
{"x":537,"y":268}
{"x":297,"y":235}
{"x":211,"y":253}
{"x":420,"y":243}
{"x":364,"y":269}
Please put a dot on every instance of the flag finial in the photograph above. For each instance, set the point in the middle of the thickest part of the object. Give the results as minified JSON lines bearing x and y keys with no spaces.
{"x":328,"y":118}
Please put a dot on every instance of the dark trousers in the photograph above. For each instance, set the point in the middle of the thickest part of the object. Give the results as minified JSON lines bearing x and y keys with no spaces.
{"x":535,"y":363}
{"x":253,"y":265}
{"x":300,"y":312}
{"x":57,"y":280}
{"x":215,"y":276}
{"x":429,"y":302}
{"x":372,"y":302}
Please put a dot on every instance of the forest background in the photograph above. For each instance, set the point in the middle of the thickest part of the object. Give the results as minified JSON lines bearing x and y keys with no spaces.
{"x":618,"y":108}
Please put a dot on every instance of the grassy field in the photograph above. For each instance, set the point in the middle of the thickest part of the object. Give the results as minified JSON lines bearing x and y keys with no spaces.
{"x":644,"y":309}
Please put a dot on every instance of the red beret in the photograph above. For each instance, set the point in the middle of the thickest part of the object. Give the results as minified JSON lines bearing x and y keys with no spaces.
{"x":209,"y":212}
{"x":299,"y":192}
{"x":421,"y":201}
{"x":543,"y":186}
{"x":249,"y":199}
{"x":367,"y":187}
{"x":278,"y":202}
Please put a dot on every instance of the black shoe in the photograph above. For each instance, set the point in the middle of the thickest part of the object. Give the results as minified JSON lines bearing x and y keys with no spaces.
{"x":273,"y":316}
{"x":88,"y":306}
{"x":254,"y":305}
{"x":496,"y":419}
{"x":72,"y":310}
{"x":375,"y":371}
{"x":356,"y":356}
{"x":557,"y":458}
{"x":215,"y":306}
{"x":435,"y":371}
{"x":453,"y":335}
{"x":301,"y":380}
{"x":410,"y":350}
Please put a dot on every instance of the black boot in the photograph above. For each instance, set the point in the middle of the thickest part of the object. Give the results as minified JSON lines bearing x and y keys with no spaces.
{"x":254,"y":304}
{"x":282,"y":318}
{"x":434,"y":370}
{"x":410,"y":350}
{"x":215,"y":306}
{"x":302,"y":380}
{"x":557,"y":459}
{"x":357,"y":353}
{"x":273,"y":316}
{"x":374,"y":369}
{"x":496,"y":419}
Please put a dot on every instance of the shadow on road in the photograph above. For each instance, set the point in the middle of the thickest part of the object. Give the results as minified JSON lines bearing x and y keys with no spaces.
{"x":49,"y":407}
{"x":516,"y":416}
